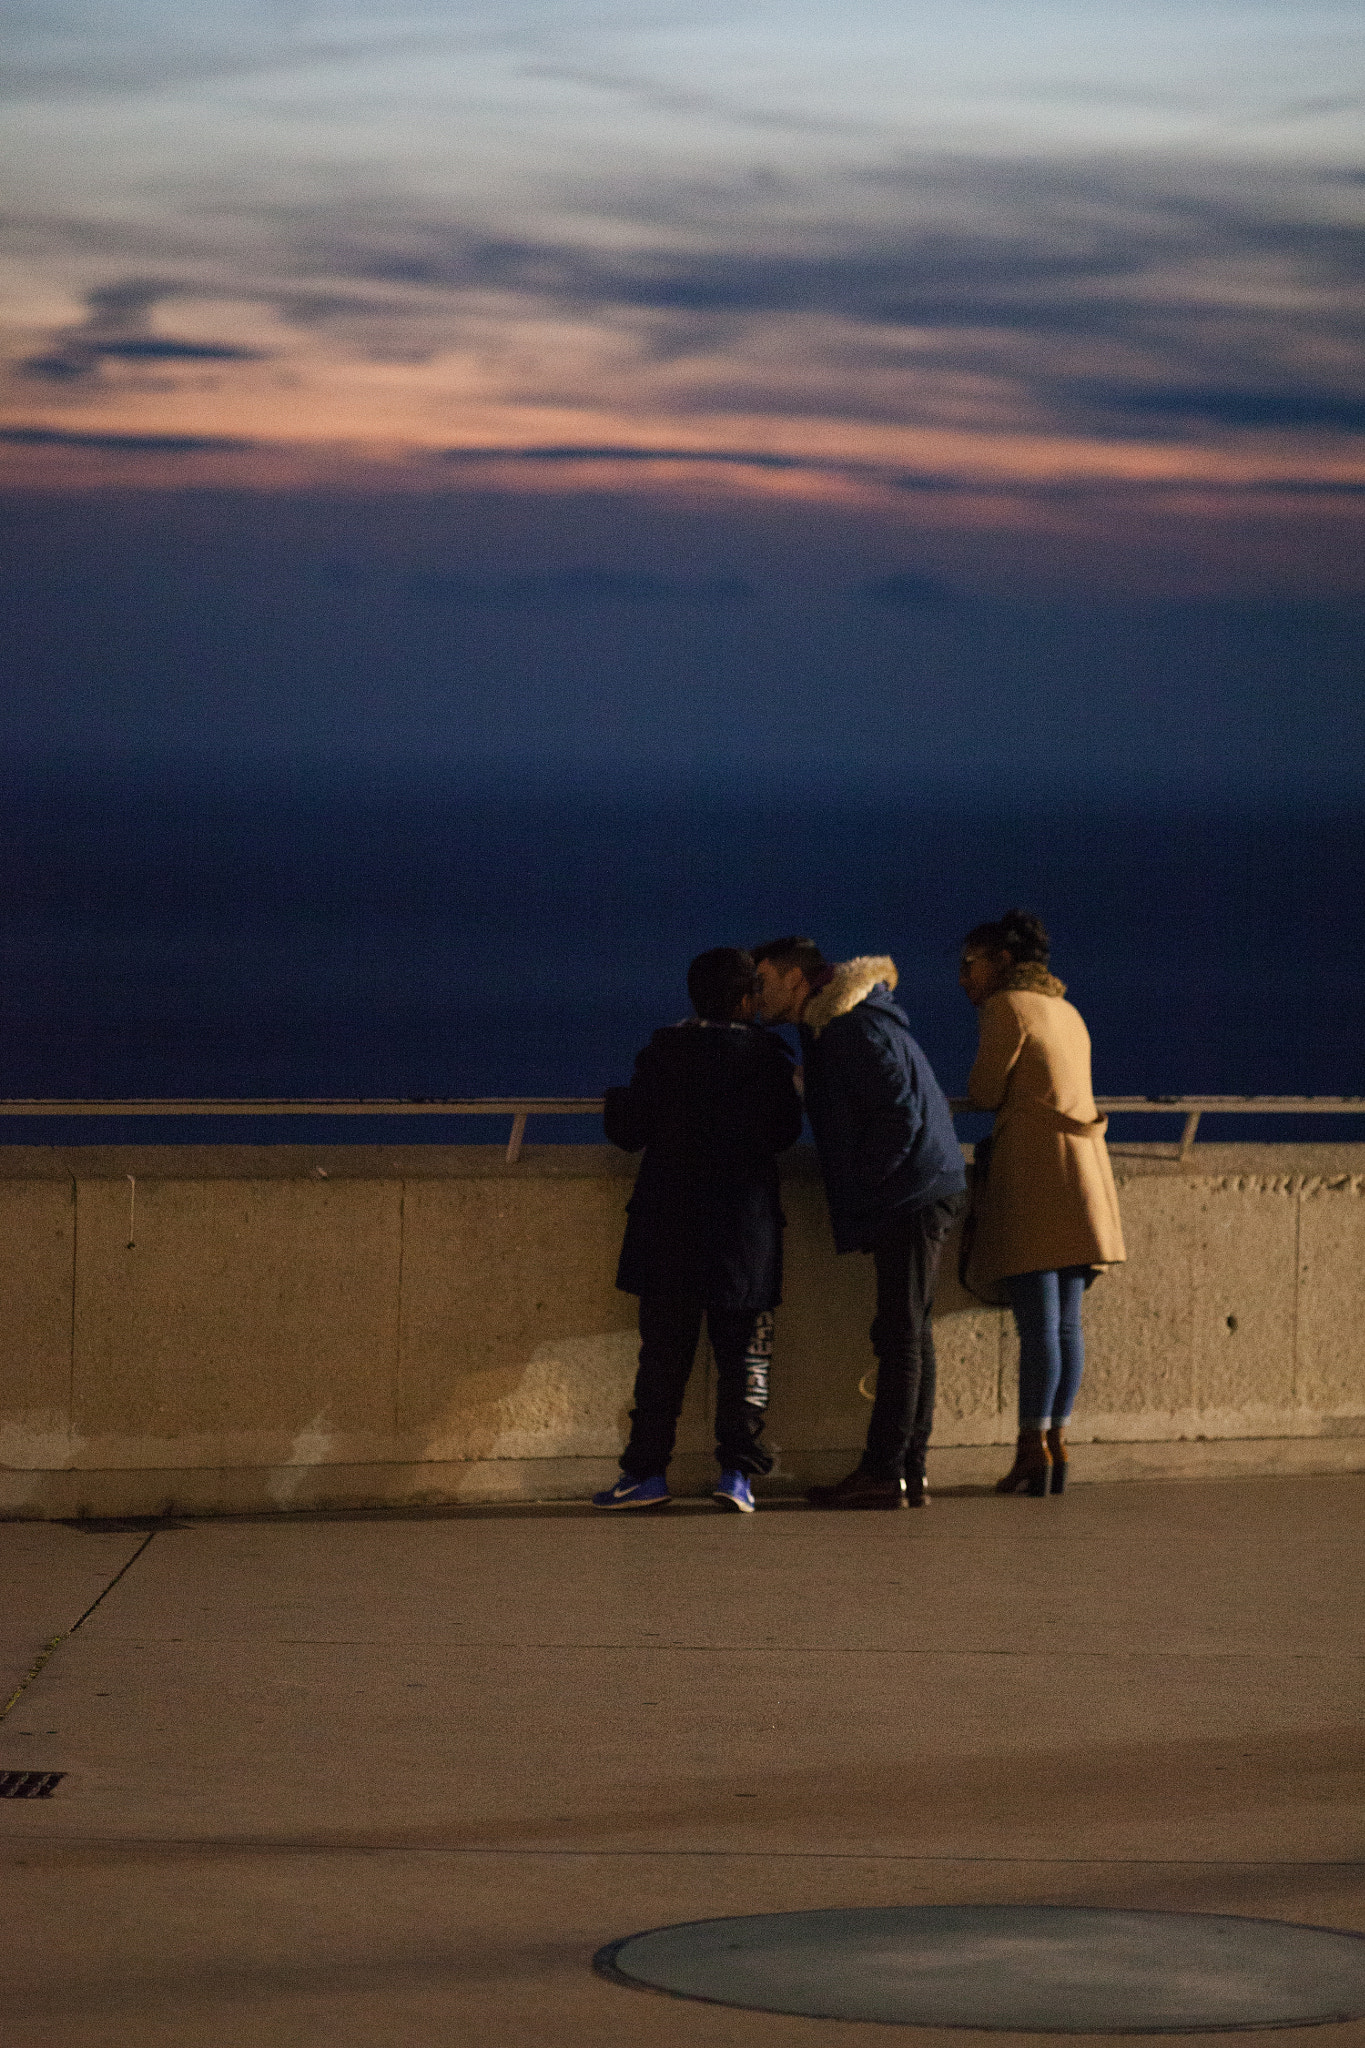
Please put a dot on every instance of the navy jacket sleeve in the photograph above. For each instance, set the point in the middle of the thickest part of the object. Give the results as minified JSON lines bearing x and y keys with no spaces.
{"x":879,"y":1079}
{"x":882,"y":1125}
{"x":872,"y":1100}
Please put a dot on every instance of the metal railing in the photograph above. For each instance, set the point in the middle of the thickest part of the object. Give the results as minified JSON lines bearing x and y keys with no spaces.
{"x":520,"y":1107}
{"x":1192,"y":1107}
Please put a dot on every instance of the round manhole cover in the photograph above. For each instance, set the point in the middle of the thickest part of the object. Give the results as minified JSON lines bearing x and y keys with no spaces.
{"x":1022,"y":1969}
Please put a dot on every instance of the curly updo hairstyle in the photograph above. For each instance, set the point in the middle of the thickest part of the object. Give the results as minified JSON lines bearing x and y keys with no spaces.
{"x":1018,"y":933}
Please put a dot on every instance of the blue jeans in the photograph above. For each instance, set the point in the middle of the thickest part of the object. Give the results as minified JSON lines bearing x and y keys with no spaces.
{"x":1047,"y":1309}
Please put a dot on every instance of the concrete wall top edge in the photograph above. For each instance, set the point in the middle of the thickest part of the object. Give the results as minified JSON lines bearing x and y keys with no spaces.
{"x":302,"y":1162}
{"x":1273,"y":1165}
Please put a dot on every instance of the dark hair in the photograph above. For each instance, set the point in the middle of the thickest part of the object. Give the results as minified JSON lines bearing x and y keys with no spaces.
{"x":792,"y":952}
{"x":718,"y":982}
{"x":1018,"y":933}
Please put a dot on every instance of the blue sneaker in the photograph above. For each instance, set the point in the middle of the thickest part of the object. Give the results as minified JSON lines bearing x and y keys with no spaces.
{"x":733,"y":1489}
{"x":630,"y":1492}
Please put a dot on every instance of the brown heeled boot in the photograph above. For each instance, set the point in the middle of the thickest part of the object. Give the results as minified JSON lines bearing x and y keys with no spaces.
{"x":1056,"y":1449}
{"x":1031,"y":1466}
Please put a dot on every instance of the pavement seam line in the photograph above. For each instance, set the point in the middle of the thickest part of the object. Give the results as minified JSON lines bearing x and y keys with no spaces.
{"x":123,"y":1569}
{"x":49,"y":1650}
{"x":263,"y":1845}
{"x":26,"y":1681}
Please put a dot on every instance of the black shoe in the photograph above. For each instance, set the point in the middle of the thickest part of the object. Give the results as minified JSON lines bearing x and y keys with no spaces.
{"x":859,"y":1490}
{"x":916,"y":1490}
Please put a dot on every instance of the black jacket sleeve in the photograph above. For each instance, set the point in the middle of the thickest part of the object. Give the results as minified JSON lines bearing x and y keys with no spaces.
{"x":782,"y":1113}
{"x":628,"y":1113}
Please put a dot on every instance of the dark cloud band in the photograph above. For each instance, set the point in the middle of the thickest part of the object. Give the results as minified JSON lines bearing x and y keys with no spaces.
{"x":121,"y":444}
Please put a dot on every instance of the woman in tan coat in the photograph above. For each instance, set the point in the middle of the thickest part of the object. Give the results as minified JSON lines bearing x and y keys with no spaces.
{"x":1045,"y":1212}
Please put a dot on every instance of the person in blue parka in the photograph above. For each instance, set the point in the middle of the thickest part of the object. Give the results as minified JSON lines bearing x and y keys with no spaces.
{"x":894,"y":1180}
{"x":712,"y":1102}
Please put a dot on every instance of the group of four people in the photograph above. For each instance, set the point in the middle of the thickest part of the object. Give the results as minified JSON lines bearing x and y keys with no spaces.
{"x":714,"y":1101}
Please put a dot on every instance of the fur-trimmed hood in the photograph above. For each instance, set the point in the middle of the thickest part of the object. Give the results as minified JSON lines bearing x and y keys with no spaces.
{"x":1031,"y":978}
{"x":850,"y":982}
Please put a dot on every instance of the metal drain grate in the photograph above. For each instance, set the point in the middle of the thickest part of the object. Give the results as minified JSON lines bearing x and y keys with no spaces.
{"x":29,"y":1784}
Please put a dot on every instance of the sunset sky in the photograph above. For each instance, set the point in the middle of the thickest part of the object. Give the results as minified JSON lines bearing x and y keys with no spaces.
{"x":983,"y":304}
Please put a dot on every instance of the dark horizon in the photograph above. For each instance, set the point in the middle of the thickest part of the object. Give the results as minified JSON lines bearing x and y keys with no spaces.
{"x":313,"y":933}
{"x":593,"y":639}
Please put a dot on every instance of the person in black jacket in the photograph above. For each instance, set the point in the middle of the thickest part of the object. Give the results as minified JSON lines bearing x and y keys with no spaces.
{"x":894,"y":1180}
{"x":712,"y":1101}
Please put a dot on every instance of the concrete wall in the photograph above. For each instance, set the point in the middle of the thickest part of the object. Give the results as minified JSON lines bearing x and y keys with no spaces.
{"x":359,"y":1325}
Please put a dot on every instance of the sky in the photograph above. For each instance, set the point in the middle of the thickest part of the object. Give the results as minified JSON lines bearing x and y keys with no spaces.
{"x":973,"y":389}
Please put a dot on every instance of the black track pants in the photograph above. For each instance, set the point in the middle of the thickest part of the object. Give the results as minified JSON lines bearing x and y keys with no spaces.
{"x":670,"y":1326}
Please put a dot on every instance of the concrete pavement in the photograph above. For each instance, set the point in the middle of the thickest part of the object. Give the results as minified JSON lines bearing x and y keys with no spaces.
{"x":370,"y":1778}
